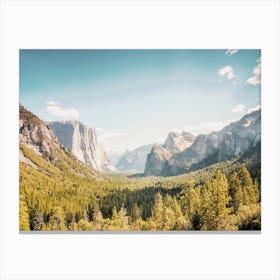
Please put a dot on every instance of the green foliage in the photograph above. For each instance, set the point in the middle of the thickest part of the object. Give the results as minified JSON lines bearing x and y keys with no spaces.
{"x":57,"y":219}
{"x":67,"y":195}
{"x":214,"y":202}
{"x":23,"y":215}
{"x":249,"y":217}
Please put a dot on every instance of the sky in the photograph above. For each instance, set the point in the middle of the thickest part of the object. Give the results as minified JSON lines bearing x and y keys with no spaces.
{"x":136,"y":97}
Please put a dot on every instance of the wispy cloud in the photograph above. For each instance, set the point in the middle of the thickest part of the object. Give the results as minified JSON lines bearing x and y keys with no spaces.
{"x":51,"y":103}
{"x":206,"y":127}
{"x":55,"y":110}
{"x":256,"y":78}
{"x":230,"y":52}
{"x":226,"y":71}
{"x":110,"y":137}
{"x":109,"y":134}
{"x":256,"y":108}
{"x":240,"y":108}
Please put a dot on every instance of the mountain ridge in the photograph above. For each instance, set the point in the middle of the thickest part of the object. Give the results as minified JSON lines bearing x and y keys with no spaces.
{"x":40,"y":149}
{"x":230,"y":141}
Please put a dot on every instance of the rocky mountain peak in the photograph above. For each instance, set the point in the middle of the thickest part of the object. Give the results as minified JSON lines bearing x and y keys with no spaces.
{"x":177,"y":142}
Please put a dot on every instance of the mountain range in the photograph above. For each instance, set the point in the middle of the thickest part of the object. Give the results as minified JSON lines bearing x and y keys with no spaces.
{"x":233,"y":140}
{"x":74,"y":145}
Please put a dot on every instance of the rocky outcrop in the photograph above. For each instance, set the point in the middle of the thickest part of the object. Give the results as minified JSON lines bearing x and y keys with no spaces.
{"x":134,"y":160}
{"x":177,"y":142}
{"x":160,"y":154}
{"x":156,"y":160}
{"x":82,"y":141}
{"x":34,"y":134}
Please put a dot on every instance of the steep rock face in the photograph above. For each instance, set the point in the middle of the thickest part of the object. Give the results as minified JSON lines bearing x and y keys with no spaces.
{"x":231,"y":141}
{"x":82,"y":141}
{"x":177,"y":142}
{"x":134,"y":160}
{"x":156,"y":160}
{"x":40,"y":149}
{"x":159,"y":155}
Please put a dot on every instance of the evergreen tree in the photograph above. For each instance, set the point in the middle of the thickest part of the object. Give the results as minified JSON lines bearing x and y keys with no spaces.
{"x":257,"y":190}
{"x":123,"y":219}
{"x":180,"y":223}
{"x":235,"y":191}
{"x":189,"y":202}
{"x":97,"y":217}
{"x":196,"y":221}
{"x":57,"y":219}
{"x":158,"y":213}
{"x":215,"y":202}
{"x":136,"y":212}
{"x":249,"y":195}
{"x":23,"y":215}
{"x":168,"y":221}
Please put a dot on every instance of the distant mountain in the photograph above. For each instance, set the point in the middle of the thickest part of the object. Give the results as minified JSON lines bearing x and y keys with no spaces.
{"x":82,"y":141}
{"x":115,"y":156}
{"x":134,"y":160}
{"x":41,"y":150}
{"x":231,"y":141}
{"x":175,"y":143}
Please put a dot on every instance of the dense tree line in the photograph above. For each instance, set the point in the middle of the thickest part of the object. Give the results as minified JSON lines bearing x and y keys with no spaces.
{"x":69,"y":203}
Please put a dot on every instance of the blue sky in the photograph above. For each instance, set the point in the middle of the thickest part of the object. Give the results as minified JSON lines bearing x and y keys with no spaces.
{"x":135,"y":97}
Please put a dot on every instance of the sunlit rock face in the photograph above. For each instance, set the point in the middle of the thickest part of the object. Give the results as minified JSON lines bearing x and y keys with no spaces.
{"x":82,"y":141}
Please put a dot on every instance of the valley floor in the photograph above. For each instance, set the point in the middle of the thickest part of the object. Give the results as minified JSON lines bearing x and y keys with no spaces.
{"x":224,"y":196}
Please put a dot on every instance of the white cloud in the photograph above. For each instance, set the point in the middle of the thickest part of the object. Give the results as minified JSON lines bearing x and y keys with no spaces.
{"x":226,"y":71}
{"x":108,"y":134}
{"x":256,"y":78}
{"x":256,"y":108}
{"x":51,"y":103}
{"x":231,"y":52}
{"x":55,"y":110}
{"x":240,"y":108}
{"x":206,"y":127}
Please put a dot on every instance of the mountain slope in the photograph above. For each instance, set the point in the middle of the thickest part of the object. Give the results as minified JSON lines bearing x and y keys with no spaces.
{"x":134,"y":160}
{"x":82,"y":141}
{"x":41,"y":151}
{"x":231,"y":141}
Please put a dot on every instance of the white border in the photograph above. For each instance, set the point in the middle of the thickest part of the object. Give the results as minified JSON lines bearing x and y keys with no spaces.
{"x":116,"y":24}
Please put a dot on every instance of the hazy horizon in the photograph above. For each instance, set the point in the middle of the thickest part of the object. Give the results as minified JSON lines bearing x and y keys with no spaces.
{"x":136,"y":97}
